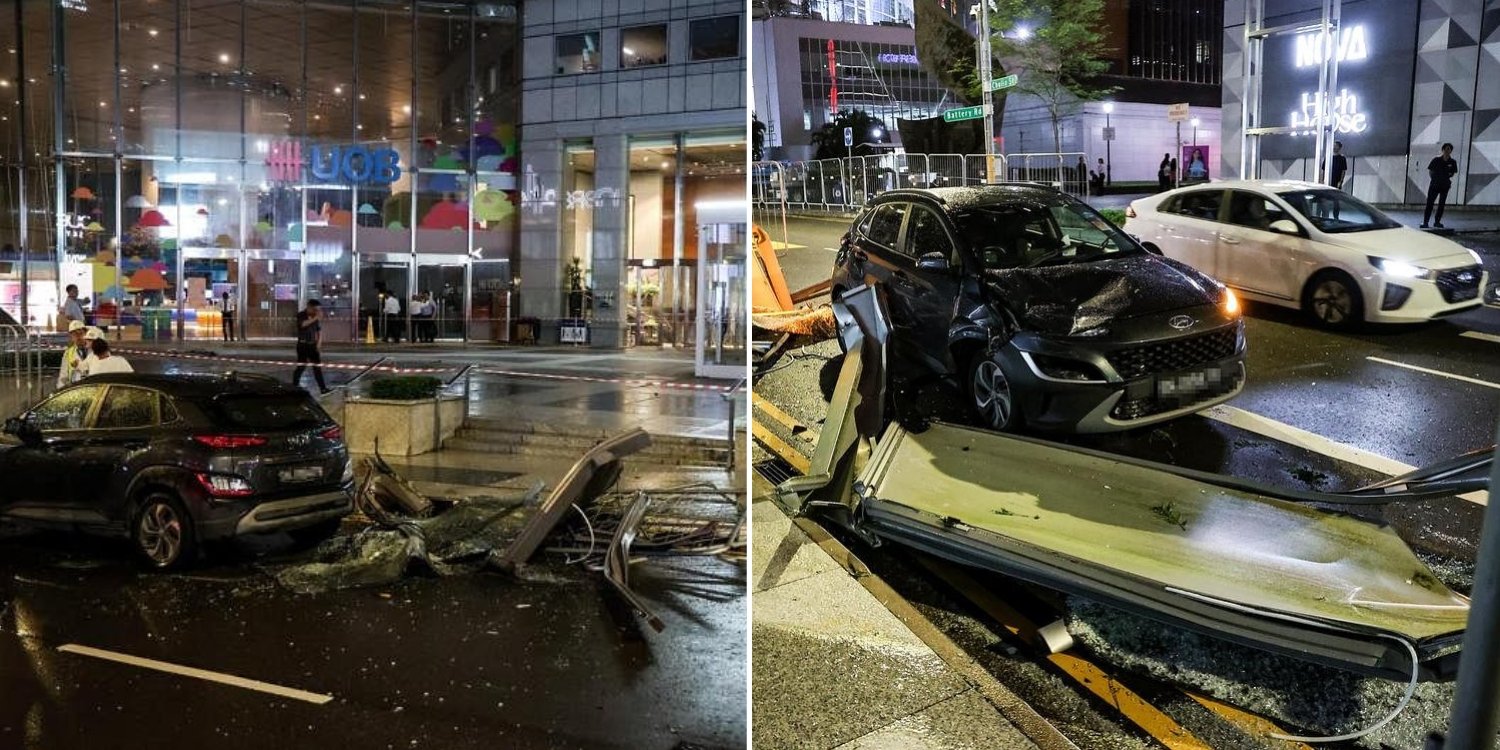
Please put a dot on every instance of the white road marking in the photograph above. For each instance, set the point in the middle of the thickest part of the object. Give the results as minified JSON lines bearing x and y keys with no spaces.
{"x":1311,"y":441}
{"x":202,"y":674}
{"x":1439,"y":373}
{"x":1481,"y":336}
{"x":831,"y":249}
{"x":785,"y":245}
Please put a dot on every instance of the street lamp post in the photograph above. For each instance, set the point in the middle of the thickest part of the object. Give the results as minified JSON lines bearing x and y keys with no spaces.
{"x":1109,"y":162}
{"x":987,"y":98}
{"x":1195,"y":132}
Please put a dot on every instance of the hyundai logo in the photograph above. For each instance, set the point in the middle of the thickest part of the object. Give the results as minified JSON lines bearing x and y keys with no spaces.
{"x":1466,"y":277}
{"x":1181,"y":321}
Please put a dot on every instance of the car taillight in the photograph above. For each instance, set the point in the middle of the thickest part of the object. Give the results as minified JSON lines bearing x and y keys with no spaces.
{"x":1129,"y":211}
{"x":230,"y":441}
{"x":225,"y":485}
{"x":332,"y":433}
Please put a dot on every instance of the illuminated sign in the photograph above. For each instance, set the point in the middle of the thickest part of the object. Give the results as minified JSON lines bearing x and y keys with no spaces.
{"x":894,"y":58}
{"x":1316,"y":46}
{"x":1344,"y":115}
{"x":356,"y":164}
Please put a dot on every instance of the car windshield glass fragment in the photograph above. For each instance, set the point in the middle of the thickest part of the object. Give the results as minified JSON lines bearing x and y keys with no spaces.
{"x":1336,"y":212}
{"x":289,"y":412}
{"x":1028,"y":235}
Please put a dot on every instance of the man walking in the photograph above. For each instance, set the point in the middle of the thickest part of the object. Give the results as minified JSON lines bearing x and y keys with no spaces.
{"x":1440,"y":172}
{"x":310,"y":344}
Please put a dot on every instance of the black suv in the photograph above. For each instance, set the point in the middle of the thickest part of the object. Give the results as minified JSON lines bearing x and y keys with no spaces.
{"x":1052,"y":317}
{"x":172,"y":461}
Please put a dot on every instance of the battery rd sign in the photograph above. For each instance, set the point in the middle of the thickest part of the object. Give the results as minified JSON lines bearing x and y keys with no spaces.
{"x":964,"y":113}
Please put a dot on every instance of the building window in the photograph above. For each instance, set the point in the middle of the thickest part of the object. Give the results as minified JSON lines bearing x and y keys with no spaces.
{"x":578,"y":53}
{"x":715,"y":38}
{"x":643,"y":45}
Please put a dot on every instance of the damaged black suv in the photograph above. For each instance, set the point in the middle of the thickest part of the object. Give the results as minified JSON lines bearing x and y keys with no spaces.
{"x":1052,"y":318}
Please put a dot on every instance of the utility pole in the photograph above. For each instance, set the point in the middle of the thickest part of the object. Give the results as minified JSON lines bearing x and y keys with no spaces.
{"x":1109,"y":161}
{"x":1177,"y":173}
{"x":987,"y":97}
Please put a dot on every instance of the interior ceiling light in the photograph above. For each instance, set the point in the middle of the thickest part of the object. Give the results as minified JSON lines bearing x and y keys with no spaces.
{"x":223,"y":57}
{"x":152,"y":32}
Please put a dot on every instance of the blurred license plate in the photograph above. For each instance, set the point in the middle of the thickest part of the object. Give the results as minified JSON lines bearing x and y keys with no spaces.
{"x":1188,"y":384}
{"x":302,"y":474}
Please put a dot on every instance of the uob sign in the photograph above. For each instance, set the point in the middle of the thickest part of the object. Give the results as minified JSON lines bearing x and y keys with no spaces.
{"x":355,"y":164}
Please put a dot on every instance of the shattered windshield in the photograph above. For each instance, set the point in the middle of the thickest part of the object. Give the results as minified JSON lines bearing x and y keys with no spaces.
{"x":1034,"y":233}
{"x":1336,"y":212}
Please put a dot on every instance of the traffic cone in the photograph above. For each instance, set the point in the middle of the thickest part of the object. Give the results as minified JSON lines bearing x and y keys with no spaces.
{"x":370,"y":330}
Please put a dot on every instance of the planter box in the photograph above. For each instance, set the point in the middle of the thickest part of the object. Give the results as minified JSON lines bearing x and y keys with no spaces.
{"x":405,"y":428}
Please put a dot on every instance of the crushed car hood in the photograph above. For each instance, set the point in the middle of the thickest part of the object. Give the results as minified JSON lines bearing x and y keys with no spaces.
{"x":1069,"y":299}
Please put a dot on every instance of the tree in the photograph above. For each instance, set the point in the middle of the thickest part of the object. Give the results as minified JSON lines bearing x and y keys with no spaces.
{"x":830,"y":138}
{"x":1054,"y":46}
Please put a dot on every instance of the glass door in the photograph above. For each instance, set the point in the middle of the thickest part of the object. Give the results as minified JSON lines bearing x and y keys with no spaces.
{"x":722,"y":314}
{"x":437,"y":305}
{"x":208,"y":275}
{"x":270,"y":304}
{"x":384,"y":275}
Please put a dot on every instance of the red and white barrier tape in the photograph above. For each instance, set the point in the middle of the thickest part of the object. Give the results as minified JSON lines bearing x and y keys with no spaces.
{"x":434,"y":370}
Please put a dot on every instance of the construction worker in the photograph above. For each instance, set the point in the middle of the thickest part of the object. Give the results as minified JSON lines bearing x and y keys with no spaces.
{"x":73,"y":355}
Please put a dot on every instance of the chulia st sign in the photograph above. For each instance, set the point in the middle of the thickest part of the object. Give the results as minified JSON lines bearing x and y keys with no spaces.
{"x":963,"y":113}
{"x":1004,"y":83}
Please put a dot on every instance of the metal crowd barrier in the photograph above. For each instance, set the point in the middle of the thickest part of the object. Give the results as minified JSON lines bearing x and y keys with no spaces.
{"x":20,"y":352}
{"x":844,"y":185}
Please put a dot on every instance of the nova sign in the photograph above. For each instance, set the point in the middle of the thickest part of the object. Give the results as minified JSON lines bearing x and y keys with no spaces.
{"x":1316,"y":46}
{"x":353,"y":164}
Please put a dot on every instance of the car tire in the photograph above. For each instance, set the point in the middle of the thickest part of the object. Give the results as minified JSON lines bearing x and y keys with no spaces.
{"x":161,"y":532}
{"x":992,"y":397}
{"x":311,"y":536}
{"x":1334,"y":300}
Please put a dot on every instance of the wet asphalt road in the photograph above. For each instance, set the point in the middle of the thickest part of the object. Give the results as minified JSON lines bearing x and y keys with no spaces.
{"x":476,"y":661}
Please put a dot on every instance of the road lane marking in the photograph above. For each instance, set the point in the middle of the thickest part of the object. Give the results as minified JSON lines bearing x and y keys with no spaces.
{"x":1311,"y":441}
{"x":1440,"y":373}
{"x":775,"y":245}
{"x":1481,"y":336}
{"x":201,"y":674}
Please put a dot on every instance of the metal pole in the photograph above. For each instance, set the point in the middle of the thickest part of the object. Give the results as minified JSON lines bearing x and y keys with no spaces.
{"x":1475,"y":718}
{"x":1177,"y":173}
{"x":22,"y":210}
{"x":986,"y":97}
{"x":1109,"y":161}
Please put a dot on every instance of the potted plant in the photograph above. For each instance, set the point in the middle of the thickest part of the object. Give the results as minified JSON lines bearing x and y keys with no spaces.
{"x":408,"y":414}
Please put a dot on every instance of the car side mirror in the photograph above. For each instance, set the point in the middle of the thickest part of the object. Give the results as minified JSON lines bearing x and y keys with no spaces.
{"x":1284,"y":226}
{"x":935,"y":261}
{"x":22,"y":428}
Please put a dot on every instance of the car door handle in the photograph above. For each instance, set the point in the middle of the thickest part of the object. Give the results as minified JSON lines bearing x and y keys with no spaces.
{"x":1229,"y":239}
{"x":60,"y":448}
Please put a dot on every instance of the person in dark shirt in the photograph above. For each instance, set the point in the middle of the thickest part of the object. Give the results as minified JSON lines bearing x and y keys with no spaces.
{"x":310,"y":344}
{"x":1440,"y":171}
{"x":1340,"y":166}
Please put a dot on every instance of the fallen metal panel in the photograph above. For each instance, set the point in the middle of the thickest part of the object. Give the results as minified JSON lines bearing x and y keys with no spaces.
{"x":590,"y":476}
{"x":617,"y":559}
{"x":1269,"y":573}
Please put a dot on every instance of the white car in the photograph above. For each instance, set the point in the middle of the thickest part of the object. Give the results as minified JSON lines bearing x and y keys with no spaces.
{"x":1311,"y":247}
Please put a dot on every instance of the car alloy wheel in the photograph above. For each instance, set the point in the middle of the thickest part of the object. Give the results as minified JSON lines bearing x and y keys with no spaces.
{"x":1334,"y":300}
{"x":991,"y":394}
{"x":162,"y":532}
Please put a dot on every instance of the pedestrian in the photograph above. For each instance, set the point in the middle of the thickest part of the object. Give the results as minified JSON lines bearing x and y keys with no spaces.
{"x":229,"y":308}
{"x":1172,"y":173}
{"x":1340,"y":166}
{"x":1082,"y":169}
{"x":1440,"y":171}
{"x":392,"y":314}
{"x":71,"y":309}
{"x":73,"y":355}
{"x":1164,"y":173}
{"x":101,"y":362}
{"x":310,"y":344}
{"x":429,"y":315}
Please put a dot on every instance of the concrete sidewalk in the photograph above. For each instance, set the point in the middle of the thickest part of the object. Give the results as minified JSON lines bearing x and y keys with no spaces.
{"x":834,"y":668}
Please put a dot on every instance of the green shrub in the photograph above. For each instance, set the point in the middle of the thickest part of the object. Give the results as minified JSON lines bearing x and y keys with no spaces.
{"x":405,"y":387}
{"x":1116,"y":216}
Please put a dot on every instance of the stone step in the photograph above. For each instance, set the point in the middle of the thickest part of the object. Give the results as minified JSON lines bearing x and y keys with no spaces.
{"x":584,"y":438}
{"x":592,"y":434}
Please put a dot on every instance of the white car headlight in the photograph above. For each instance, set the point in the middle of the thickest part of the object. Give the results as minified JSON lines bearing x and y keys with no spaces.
{"x":1401,"y":269}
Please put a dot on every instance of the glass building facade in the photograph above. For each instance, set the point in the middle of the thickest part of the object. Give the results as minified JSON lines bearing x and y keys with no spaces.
{"x":176,"y":159}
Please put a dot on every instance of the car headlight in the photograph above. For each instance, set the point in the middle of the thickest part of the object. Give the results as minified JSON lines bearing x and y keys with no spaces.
{"x":1401,"y":269}
{"x":1058,"y":368}
{"x":1230,"y":302}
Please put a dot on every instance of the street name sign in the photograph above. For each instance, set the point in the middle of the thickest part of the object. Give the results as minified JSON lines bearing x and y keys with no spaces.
{"x":1004,"y":83}
{"x":963,"y":113}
